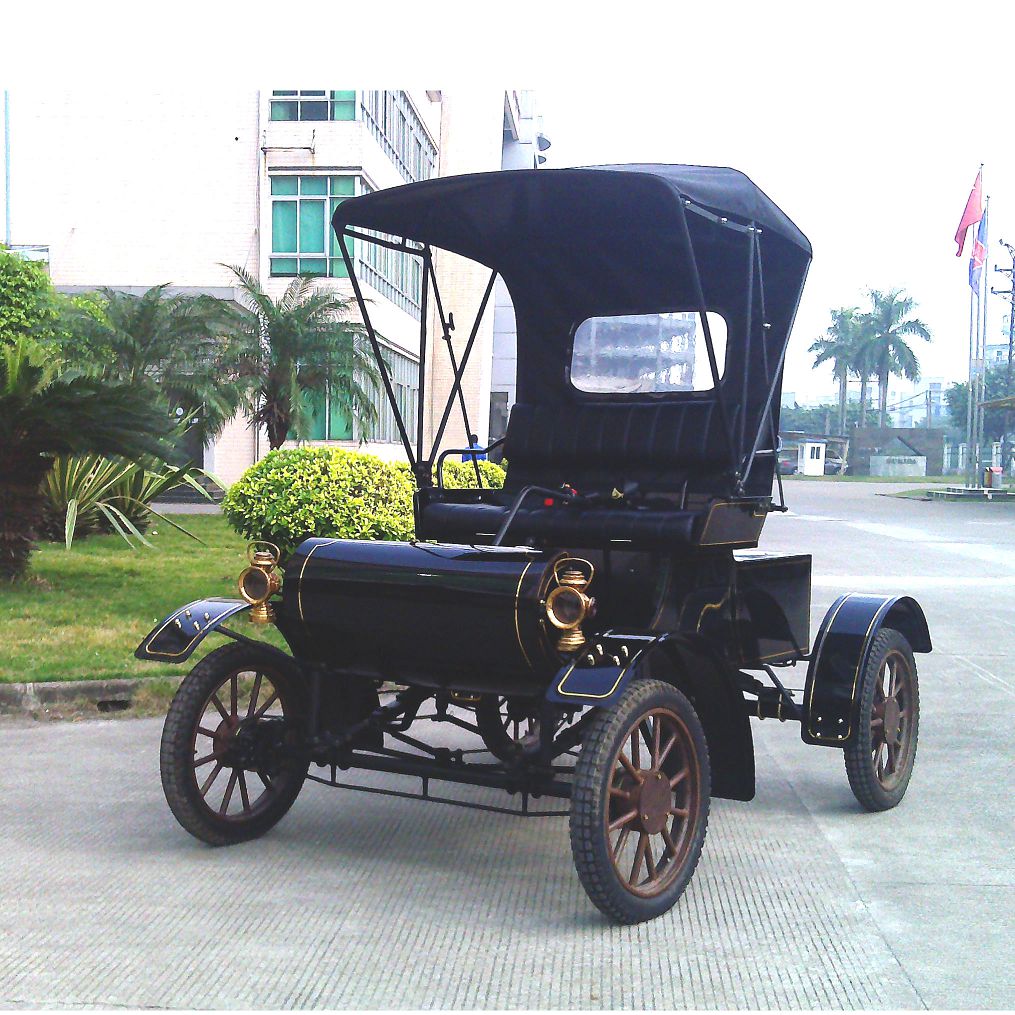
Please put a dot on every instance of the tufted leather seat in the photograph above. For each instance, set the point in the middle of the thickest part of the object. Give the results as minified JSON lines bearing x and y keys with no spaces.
{"x":657,"y":448}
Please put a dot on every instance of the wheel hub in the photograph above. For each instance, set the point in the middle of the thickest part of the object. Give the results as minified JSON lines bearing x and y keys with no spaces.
{"x":890,"y":720}
{"x":653,"y":799}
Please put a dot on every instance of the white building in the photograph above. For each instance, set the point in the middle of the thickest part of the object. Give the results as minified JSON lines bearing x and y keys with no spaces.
{"x":154,"y":188}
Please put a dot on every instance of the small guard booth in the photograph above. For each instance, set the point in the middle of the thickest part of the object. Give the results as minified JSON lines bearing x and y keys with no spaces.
{"x":811,"y":458}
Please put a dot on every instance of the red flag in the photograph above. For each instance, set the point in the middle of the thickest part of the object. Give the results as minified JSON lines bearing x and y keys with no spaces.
{"x":972,"y":214}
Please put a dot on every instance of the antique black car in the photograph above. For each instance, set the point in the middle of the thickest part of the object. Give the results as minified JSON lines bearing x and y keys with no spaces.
{"x":604,"y":623}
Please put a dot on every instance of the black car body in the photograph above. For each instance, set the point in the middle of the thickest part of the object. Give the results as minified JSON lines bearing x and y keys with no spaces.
{"x":605,"y":622}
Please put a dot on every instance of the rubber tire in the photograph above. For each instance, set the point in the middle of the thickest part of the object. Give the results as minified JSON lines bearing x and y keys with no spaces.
{"x":859,"y":766}
{"x":590,"y":795}
{"x":182,"y":793}
{"x":496,"y":739}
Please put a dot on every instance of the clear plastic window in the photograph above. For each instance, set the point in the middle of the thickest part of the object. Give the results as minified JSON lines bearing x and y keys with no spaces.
{"x":644,"y":353}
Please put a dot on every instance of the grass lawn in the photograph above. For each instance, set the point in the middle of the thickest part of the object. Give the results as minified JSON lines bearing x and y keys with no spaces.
{"x":84,"y":611}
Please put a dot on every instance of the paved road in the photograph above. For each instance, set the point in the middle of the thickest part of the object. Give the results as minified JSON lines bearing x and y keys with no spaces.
{"x":801,"y":900}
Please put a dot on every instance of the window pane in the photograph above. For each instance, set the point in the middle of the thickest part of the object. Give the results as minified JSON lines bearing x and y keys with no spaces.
{"x":283,"y":185}
{"x":336,"y":268}
{"x":343,"y":185}
{"x":311,"y":227}
{"x":313,"y":185}
{"x":291,"y":91}
{"x":312,"y":91}
{"x":339,"y":423}
{"x":283,"y":266}
{"x":346,"y":96}
{"x":313,"y":111}
{"x":313,"y":266}
{"x":284,"y":110}
{"x":343,"y":110}
{"x":318,"y":420}
{"x":283,"y":226}
{"x":646,"y":353}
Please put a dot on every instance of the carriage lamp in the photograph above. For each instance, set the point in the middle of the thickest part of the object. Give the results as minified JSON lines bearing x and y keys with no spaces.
{"x":568,"y":605}
{"x":259,"y":582}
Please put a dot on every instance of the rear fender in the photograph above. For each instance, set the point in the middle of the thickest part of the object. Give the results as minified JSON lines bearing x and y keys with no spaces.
{"x":832,"y":692}
{"x":610,"y":662}
{"x":174,"y":640}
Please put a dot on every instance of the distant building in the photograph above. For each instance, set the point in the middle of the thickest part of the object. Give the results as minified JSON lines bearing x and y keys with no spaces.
{"x":166,"y":187}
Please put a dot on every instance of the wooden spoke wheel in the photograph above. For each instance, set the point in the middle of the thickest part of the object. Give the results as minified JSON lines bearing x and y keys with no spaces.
{"x":507,"y":728}
{"x":880,"y":757}
{"x":639,"y":808}
{"x":230,"y":767}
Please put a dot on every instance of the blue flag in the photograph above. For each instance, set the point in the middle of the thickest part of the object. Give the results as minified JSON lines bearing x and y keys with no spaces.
{"x":979,"y":255}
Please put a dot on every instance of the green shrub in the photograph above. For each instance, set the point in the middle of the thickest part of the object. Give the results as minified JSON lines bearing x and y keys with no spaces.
{"x":294,"y":493}
{"x":461,"y":475}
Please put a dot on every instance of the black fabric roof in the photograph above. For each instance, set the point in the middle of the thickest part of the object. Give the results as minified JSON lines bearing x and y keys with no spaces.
{"x":482,"y":215}
{"x":571,"y":244}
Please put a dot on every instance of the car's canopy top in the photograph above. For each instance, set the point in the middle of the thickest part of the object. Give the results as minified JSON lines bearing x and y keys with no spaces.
{"x":601,"y":241}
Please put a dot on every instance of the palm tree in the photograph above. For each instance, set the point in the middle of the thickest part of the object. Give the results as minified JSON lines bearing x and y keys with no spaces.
{"x":887,"y":326}
{"x":171,"y":343}
{"x":839,"y":347}
{"x":293,"y":351}
{"x":45,"y":412}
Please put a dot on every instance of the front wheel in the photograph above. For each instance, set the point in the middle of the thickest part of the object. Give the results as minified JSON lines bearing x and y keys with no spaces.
{"x":230,"y":763}
{"x":881,"y":755}
{"x":639,"y":807}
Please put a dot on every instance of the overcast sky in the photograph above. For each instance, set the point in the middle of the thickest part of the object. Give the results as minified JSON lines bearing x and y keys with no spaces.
{"x":867,"y":128}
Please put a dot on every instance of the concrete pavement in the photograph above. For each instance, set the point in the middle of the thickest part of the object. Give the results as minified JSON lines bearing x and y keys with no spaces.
{"x":800,"y":900}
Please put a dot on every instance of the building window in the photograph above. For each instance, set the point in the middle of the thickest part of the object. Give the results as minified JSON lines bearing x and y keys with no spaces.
{"x":302,"y":240}
{"x":393,"y":273}
{"x":400,"y":133}
{"x":404,"y":374}
{"x":329,"y":421}
{"x":313,"y":105}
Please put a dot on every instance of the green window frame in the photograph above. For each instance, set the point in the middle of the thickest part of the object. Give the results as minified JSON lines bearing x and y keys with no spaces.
{"x":312,"y":105}
{"x":302,"y":240}
{"x":328,"y":421}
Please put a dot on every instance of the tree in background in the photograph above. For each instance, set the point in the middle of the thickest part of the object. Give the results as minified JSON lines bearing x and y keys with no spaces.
{"x":884,"y":348}
{"x":818,"y":419}
{"x":45,"y":411}
{"x":957,"y":397}
{"x":839,"y":346}
{"x":170,"y":344}
{"x":292,"y":352}
{"x":28,"y":304}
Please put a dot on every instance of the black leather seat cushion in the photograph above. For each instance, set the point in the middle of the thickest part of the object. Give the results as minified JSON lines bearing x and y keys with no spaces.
{"x":652,"y":447}
{"x":597,"y":446}
{"x":562,"y":524}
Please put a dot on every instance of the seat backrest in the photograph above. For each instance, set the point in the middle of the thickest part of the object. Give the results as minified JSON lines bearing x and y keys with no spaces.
{"x":596,"y":446}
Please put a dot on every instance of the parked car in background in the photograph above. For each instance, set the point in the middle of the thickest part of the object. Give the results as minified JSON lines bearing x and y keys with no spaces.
{"x":834,"y":465}
{"x":787,"y":464}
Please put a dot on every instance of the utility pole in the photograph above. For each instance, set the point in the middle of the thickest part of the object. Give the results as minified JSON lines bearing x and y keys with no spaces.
{"x":1006,"y":445}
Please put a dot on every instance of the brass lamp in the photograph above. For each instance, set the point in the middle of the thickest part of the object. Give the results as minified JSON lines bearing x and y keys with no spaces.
{"x":259,"y":582}
{"x":568,"y":605}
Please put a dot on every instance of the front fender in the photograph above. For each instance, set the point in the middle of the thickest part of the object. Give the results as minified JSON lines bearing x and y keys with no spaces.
{"x":598,"y":678}
{"x":832,"y":692}
{"x":174,"y":640}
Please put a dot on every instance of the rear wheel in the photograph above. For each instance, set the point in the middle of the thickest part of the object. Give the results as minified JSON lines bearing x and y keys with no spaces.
{"x":639,"y":808}
{"x":880,"y":758}
{"x":229,"y":758}
{"x":507,"y":728}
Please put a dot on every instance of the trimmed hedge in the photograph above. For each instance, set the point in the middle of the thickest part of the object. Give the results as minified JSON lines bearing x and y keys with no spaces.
{"x":294,"y":493}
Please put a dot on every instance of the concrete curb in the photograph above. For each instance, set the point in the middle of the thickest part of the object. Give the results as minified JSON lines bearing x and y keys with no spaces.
{"x":105,"y":695}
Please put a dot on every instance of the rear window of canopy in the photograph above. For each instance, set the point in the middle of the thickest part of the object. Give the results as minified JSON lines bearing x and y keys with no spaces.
{"x":646,"y":353}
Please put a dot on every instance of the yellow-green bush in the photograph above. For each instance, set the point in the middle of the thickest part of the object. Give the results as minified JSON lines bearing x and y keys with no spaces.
{"x":294,"y":493}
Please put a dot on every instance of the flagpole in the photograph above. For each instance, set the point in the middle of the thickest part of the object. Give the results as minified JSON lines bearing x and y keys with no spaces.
{"x":974,"y":341}
{"x":982,"y":357}
{"x":971,"y":397}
